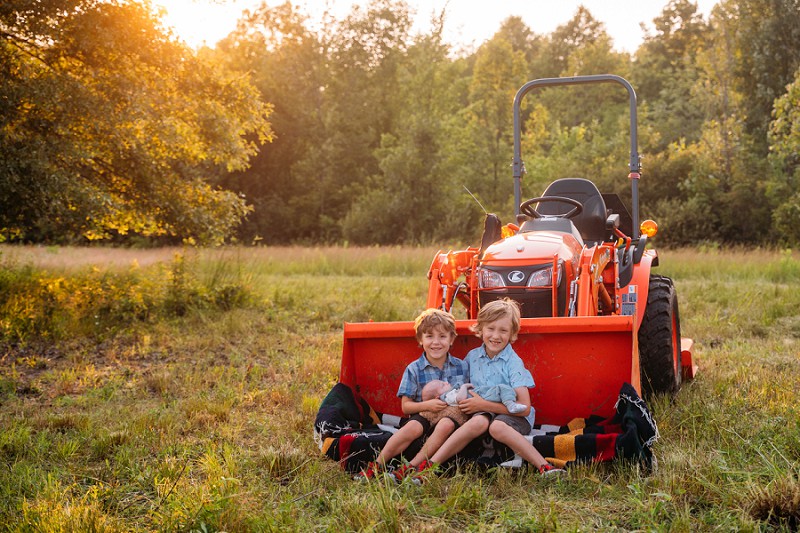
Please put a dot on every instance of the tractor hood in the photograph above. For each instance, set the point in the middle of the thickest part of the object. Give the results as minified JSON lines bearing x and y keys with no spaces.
{"x":533,"y":247}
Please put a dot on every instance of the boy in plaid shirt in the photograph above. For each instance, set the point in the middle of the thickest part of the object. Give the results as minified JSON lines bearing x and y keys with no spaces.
{"x":435,"y":331}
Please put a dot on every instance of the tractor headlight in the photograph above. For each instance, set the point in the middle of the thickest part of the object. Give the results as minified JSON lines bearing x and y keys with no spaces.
{"x":544,"y":277}
{"x":489,"y":279}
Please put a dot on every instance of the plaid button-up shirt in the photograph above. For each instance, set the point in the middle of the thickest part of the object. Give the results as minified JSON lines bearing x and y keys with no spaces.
{"x":420,"y":372}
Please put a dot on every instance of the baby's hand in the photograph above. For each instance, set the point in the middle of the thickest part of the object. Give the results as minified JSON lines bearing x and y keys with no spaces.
{"x":435,"y":405}
{"x":472,"y":405}
{"x":463,"y":392}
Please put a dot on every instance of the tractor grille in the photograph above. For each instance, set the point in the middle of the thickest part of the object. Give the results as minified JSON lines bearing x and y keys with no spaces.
{"x":534,"y":301}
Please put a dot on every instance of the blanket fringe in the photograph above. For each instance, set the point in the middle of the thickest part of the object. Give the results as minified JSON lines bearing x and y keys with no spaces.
{"x":639,"y":403}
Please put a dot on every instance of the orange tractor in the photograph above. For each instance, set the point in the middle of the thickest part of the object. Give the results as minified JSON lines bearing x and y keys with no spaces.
{"x":577,"y":261}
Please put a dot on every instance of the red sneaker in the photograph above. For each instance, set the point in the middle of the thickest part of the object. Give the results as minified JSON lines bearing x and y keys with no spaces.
{"x":398,"y":474}
{"x":424,"y":470}
{"x":549,"y":470}
{"x":369,"y":472}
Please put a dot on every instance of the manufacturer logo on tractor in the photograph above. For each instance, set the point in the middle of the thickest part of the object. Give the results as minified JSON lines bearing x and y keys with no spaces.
{"x":515,"y":276}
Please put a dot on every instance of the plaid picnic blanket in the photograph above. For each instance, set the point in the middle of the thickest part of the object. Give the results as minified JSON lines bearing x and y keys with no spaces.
{"x":347,"y":430}
{"x":628,"y":434}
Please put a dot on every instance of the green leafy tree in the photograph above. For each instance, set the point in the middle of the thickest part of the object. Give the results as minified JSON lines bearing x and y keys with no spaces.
{"x":415,"y":197}
{"x":359,"y":104}
{"x":111,"y":127}
{"x":581,"y":30}
{"x":726,"y":176}
{"x":287,"y":62}
{"x":523,"y":39}
{"x":768,"y":46}
{"x":665,"y":72}
{"x":784,"y":136}
{"x":479,"y":148}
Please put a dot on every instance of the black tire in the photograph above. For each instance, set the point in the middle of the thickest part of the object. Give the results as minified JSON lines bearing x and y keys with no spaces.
{"x":660,"y":339}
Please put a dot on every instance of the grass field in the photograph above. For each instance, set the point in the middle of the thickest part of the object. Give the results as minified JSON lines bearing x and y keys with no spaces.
{"x":175,"y":390}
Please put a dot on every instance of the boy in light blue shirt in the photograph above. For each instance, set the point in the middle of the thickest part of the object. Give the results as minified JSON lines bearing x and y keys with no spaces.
{"x":505,"y":368}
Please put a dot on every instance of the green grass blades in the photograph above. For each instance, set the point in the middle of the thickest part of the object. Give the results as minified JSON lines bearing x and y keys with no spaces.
{"x":175,"y":390}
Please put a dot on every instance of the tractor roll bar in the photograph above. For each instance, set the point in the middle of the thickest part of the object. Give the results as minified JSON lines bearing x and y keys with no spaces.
{"x":518,"y":166}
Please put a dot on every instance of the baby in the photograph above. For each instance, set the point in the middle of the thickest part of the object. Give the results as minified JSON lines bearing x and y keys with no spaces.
{"x":438,"y":389}
{"x":451,"y":395}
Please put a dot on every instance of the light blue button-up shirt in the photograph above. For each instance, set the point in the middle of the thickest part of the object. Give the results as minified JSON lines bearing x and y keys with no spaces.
{"x":505,"y":368}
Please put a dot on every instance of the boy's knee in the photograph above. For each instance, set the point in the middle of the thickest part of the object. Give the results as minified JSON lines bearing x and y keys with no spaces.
{"x":445,"y":425}
{"x":478,"y":423}
{"x":412,"y":429}
{"x":498,"y":428}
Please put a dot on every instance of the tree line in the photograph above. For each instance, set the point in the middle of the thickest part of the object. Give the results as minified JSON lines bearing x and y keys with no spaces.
{"x":360,"y":131}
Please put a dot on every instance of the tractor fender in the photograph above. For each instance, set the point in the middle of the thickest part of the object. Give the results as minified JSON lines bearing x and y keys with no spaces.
{"x":630,"y":256}
{"x":641,"y":281}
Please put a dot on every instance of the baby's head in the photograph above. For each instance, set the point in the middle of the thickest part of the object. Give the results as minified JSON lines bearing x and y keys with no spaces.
{"x":433,"y":319}
{"x":497,"y":310}
{"x":434,"y":389}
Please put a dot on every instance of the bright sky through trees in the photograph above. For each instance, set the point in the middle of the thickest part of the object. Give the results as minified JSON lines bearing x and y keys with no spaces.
{"x":469,"y":22}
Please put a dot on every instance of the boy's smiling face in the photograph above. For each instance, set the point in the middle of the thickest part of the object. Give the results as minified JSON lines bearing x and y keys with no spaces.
{"x":437,"y":342}
{"x":496,"y":335}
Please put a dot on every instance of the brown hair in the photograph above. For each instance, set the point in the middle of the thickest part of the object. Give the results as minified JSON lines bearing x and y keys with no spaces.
{"x":432,"y":318}
{"x":495,"y":311}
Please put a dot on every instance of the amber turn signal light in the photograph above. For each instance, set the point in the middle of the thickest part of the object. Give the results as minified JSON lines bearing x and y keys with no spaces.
{"x":649,"y":227}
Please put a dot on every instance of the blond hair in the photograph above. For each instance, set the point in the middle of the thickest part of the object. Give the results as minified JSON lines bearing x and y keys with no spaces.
{"x":496,"y":310}
{"x":433,"y":318}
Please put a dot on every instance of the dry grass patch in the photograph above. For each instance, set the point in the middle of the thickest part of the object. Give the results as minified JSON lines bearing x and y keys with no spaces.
{"x":777,"y":503}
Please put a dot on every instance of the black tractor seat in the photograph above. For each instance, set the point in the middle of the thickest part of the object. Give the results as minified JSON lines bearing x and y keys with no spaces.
{"x":590,"y":223}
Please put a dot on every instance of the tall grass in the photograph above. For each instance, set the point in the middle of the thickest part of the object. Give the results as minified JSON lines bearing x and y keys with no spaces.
{"x":55,"y":303}
{"x":195,"y":412}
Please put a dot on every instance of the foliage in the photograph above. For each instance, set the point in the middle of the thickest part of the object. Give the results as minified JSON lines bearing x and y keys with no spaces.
{"x":767,"y":33}
{"x":432,"y":133}
{"x":288,"y":67}
{"x":666,"y":72}
{"x":784,"y":150}
{"x":727,"y":173}
{"x":112,"y":130}
{"x":39,"y":306}
{"x":111,"y":127}
{"x":203,"y":421}
{"x":412,"y":164}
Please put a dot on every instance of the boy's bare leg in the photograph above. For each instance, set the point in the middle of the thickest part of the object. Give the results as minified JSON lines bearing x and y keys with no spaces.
{"x":441,"y":431}
{"x":401,"y":440}
{"x":472,"y":429}
{"x":502,"y":432}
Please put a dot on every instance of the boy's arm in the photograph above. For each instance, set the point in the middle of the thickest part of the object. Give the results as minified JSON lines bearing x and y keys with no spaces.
{"x":523,"y":397}
{"x":477,"y":404}
{"x":520,"y":379}
{"x":412,"y":407}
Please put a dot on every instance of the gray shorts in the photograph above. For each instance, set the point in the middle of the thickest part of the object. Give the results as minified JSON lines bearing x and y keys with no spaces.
{"x":517,"y":423}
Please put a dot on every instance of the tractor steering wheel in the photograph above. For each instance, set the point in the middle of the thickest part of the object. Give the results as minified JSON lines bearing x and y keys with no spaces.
{"x":526,"y":208}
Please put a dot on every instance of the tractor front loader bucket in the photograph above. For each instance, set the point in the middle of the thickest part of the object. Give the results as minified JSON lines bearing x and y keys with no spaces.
{"x":578,"y":363}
